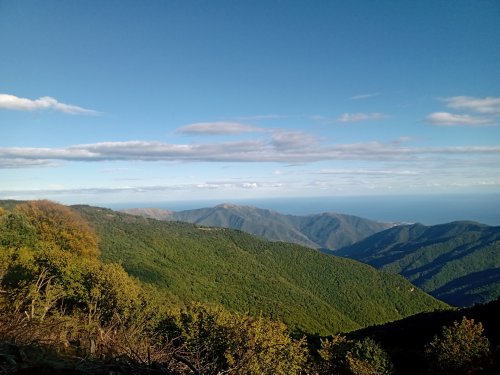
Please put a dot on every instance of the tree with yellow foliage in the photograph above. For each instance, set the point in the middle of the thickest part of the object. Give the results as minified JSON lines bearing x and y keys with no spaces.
{"x":212,"y":340}
{"x":61,"y":226}
{"x":459,"y":349}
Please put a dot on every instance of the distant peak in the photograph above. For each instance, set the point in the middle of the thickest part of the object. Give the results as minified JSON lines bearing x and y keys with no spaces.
{"x":227,"y":205}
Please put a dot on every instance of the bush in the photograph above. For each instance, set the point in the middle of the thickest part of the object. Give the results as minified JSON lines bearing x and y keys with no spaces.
{"x":460,"y":348}
{"x":343,"y":356}
{"x":212,"y":340}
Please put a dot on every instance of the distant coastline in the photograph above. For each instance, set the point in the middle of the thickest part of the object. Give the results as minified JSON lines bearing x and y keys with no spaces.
{"x":425,"y":209}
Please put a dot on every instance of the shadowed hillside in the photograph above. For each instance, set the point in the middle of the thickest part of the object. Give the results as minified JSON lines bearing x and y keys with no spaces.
{"x":405,"y":339}
{"x":457,"y":262}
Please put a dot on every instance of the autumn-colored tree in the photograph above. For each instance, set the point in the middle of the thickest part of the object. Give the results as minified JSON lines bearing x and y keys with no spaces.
{"x":49,"y":280}
{"x":203,"y":340}
{"x":261,"y":346}
{"x":108,"y":290}
{"x":332,"y":354}
{"x":61,"y":226}
{"x":35,"y":282}
{"x":460,"y":348}
{"x":212,"y":340}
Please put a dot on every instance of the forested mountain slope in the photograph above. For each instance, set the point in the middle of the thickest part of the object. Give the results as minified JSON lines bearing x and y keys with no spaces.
{"x":306,"y":289}
{"x":327,"y":230}
{"x":457,"y":262}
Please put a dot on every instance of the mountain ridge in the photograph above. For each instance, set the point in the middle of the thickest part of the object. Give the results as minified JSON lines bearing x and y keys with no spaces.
{"x":320,"y":231}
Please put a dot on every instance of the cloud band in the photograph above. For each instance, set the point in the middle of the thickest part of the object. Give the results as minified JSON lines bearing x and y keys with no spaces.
{"x":15,"y":103}
{"x":294,"y":150}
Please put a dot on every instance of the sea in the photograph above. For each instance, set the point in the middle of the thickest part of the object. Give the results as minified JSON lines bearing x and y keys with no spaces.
{"x":427,"y":210}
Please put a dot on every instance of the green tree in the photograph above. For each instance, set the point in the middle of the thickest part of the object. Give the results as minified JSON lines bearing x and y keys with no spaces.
{"x":16,"y":230}
{"x":344,"y":356}
{"x":366,"y":357}
{"x":460,"y":348}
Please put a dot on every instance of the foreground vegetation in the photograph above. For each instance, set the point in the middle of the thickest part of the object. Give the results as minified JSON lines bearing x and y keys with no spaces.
{"x":63,"y":310}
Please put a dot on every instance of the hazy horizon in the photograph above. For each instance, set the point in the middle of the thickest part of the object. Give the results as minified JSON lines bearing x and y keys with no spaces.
{"x":428,"y":210}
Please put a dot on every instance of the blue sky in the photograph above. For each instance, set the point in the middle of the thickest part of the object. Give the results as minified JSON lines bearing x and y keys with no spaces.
{"x":130,"y":101}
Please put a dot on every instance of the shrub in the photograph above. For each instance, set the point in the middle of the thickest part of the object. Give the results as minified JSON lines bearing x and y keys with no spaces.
{"x":343,"y":356}
{"x":460,"y":347}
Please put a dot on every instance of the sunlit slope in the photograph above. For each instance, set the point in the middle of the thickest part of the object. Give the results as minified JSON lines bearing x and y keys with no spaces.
{"x":310,"y":291}
{"x":457,"y":262}
{"x":326,"y":230}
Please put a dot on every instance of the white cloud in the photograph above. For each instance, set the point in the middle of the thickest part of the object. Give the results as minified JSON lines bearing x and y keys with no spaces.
{"x":13,"y":102}
{"x":260,"y":117}
{"x":353,"y":117}
{"x":367,"y":172}
{"x":364,"y":96}
{"x":488,"y":105}
{"x":446,"y":118}
{"x":291,"y":147}
{"x":293,"y":140}
{"x":209,"y":185}
{"x":218,"y":128}
{"x":484,"y":111}
{"x":16,"y":163}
